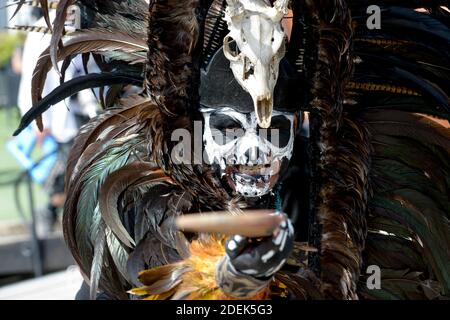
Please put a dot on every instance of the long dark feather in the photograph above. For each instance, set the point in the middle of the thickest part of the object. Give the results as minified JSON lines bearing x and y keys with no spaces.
{"x":20,"y":4}
{"x":114,"y":185}
{"x":44,"y":7}
{"x":72,"y":87}
{"x":58,"y":27}
{"x":82,"y":42}
{"x":97,"y":261}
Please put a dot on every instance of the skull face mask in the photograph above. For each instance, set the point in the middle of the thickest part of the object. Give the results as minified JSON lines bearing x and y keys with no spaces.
{"x":248,"y":159}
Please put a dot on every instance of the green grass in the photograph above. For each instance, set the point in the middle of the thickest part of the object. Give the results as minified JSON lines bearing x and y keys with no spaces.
{"x":10,"y":170}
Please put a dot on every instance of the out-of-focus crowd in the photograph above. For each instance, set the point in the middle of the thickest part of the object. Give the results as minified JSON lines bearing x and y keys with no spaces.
{"x":62,"y":122}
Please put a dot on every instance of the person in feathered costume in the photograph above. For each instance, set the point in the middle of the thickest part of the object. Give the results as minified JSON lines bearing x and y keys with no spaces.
{"x":365,"y":184}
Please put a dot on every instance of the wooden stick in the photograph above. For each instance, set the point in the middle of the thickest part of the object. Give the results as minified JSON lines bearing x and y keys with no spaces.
{"x":251,"y":224}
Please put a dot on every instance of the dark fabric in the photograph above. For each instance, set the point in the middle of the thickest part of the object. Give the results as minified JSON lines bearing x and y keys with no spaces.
{"x":220,"y":89}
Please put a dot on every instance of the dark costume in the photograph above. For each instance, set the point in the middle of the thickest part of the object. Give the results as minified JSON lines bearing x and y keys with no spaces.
{"x":367,"y":186}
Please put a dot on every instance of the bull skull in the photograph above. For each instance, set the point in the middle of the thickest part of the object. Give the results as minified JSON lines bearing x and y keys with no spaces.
{"x":259,"y":45}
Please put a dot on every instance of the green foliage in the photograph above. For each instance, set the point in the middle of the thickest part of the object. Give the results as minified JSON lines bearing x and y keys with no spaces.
{"x":8,"y":42}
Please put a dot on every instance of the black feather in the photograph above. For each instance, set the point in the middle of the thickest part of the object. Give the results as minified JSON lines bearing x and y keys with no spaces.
{"x":72,"y":87}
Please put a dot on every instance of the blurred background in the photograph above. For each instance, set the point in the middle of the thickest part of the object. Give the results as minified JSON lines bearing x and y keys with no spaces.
{"x":34,"y":260}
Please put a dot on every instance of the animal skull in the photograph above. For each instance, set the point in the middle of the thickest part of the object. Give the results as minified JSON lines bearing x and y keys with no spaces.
{"x":255,"y":27}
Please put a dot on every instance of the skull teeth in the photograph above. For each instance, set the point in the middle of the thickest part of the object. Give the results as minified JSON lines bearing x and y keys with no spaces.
{"x":264,"y":108}
{"x":251,"y":169}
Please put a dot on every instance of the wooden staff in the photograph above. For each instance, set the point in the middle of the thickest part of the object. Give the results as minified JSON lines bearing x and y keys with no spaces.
{"x":251,"y":224}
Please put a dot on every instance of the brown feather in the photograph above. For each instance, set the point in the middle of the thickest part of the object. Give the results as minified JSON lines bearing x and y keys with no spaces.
{"x":340,"y":156}
{"x":90,"y":133}
{"x":114,"y":185}
{"x":82,"y":42}
{"x":44,"y":7}
{"x":58,"y":27}
{"x":400,"y":123}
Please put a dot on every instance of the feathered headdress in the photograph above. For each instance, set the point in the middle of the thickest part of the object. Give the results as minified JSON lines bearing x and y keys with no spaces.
{"x":379,"y":139}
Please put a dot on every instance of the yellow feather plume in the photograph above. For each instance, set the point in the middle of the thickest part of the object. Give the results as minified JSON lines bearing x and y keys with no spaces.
{"x":193,"y":278}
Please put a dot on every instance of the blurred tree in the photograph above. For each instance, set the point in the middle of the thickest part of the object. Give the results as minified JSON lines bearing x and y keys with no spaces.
{"x":8,"y":42}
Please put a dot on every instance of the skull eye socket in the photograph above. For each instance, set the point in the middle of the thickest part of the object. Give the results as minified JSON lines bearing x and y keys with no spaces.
{"x":225,"y":128}
{"x":279,"y":133}
{"x":231,"y":49}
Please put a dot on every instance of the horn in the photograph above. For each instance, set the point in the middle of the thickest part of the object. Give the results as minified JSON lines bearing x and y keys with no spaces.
{"x":233,"y":6}
{"x":232,"y":2}
{"x":281,"y":7}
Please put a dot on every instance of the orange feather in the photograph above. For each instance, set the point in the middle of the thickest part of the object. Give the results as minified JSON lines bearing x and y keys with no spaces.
{"x":197,"y":281}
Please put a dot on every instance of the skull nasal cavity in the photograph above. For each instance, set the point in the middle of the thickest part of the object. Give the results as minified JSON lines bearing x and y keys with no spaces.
{"x":252,"y":154}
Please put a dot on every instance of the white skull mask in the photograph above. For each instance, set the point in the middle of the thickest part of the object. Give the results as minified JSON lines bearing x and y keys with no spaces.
{"x":249,"y":159}
{"x":255,"y":27}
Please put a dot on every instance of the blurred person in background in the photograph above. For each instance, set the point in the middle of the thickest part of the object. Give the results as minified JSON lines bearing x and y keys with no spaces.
{"x":61,"y":123}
